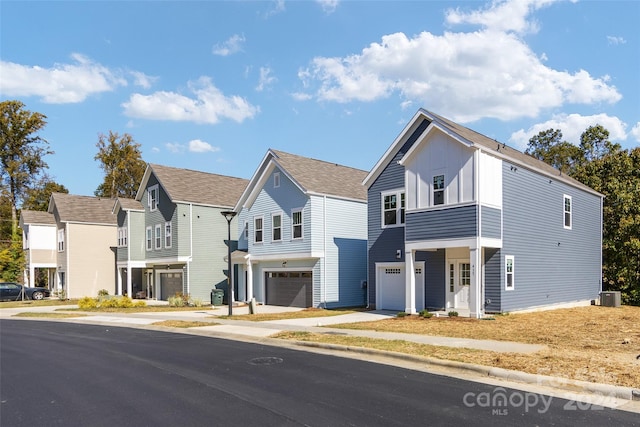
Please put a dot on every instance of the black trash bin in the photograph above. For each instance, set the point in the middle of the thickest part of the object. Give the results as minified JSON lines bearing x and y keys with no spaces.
{"x":216,"y":296}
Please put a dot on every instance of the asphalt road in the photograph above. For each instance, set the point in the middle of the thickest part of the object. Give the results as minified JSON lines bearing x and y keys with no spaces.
{"x":64,"y":374}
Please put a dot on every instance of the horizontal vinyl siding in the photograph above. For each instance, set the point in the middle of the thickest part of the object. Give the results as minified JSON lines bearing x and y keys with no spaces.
{"x":492,"y":280}
{"x":552,"y":264}
{"x":383,"y":242}
{"x":451,"y":223}
{"x":136,"y":238}
{"x":491,"y":222}
{"x":434,"y":278}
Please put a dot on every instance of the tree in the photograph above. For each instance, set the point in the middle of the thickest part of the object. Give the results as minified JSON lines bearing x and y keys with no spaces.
{"x":37,"y":198}
{"x":22,"y":151}
{"x":549,"y":147}
{"x":121,"y":160}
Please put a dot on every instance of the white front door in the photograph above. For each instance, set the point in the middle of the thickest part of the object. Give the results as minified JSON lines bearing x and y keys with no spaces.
{"x":458,"y":283}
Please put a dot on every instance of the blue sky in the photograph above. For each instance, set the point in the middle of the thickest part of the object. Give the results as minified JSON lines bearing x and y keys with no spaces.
{"x":212,"y":85}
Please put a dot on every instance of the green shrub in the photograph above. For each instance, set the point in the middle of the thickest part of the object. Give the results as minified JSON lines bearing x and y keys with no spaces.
{"x":425,"y":313}
{"x":176,"y":301}
{"x":103,"y":292}
{"x":453,"y":314}
{"x":401,"y":314}
{"x":140,"y":303}
{"x":196,"y":302}
{"x":87,"y":302}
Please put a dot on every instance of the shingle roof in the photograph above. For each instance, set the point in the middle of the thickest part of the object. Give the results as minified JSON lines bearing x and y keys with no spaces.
{"x":36,"y":217}
{"x":184,"y":185}
{"x":323,"y":177}
{"x":130,"y":204}
{"x":84,"y":209}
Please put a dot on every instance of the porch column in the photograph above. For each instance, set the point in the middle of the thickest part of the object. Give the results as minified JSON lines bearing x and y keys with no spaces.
{"x":249,"y":283}
{"x":119,"y":281}
{"x":129,"y":288}
{"x":32,"y":276}
{"x":410,"y":283}
{"x":475,"y":294}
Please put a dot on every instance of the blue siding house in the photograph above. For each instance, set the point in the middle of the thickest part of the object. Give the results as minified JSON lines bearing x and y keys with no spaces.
{"x":483,"y":228}
{"x":302,"y":234}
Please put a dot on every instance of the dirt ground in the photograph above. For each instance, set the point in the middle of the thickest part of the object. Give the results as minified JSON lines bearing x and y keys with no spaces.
{"x":597,"y":344}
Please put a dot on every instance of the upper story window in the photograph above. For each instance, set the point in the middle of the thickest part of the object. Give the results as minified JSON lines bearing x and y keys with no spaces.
{"x":276,"y":226}
{"x":149,"y":238}
{"x":438,"y":190}
{"x":258,"y":221}
{"x":246,"y":230}
{"x":296,"y":224}
{"x":567,"y":212}
{"x":393,"y":206}
{"x":122,"y":236}
{"x":61,"y":240}
{"x":276,"y":180}
{"x":509,"y":272}
{"x":167,"y":234}
{"x":153,"y":197}
{"x":158,"y":236}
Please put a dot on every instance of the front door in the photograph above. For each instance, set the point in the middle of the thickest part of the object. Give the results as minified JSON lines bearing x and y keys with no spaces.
{"x":458,"y":283}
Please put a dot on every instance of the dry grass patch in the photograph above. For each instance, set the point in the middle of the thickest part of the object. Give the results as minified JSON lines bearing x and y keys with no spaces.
{"x":38,"y":303}
{"x":301,"y":314}
{"x":48,"y":315}
{"x":183,"y":324}
{"x":146,"y":309}
{"x":597,"y":344}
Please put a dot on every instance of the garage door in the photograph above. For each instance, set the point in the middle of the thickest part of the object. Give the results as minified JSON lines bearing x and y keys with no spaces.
{"x":170,"y":285}
{"x":289,"y":289}
{"x":391,"y":289}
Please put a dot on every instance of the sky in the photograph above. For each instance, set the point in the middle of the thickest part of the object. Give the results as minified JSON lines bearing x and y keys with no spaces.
{"x":212,"y":85}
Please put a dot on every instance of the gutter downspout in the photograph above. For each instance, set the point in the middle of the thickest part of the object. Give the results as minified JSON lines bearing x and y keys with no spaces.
{"x":190,"y":248}
{"x":324,"y":250}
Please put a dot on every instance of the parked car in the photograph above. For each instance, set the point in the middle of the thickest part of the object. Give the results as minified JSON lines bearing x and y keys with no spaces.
{"x":10,"y":291}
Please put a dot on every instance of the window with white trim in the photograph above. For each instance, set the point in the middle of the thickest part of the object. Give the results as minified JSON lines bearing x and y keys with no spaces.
{"x":149,"y":238}
{"x":276,"y":180}
{"x":167,"y":234}
{"x":509,"y":272}
{"x":438,"y":190}
{"x":296,"y":224}
{"x":257,"y":229}
{"x":153,"y":194}
{"x":276,"y":227}
{"x":61,"y":240}
{"x":393,"y":209}
{"x":122,"y":236}
{"x":567,"y":212}
{"x":465,"y":273}
{"x":158,"y":236}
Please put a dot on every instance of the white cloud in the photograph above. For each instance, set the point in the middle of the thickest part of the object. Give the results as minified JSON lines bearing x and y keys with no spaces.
{"x":328,"y":6}
{"x":572,"y":126}
{"x":198,"y":146}
{"x":464,"y":76}
{"x":208,"y":105}
{"x":174,"y":147}
{"x":616,"y":40}
{"x":301,"y":96}
{"x":231,"y":46}
{"x":266,"y":79}
{"x":277,"y":7}
{"x":635,"y":131}
{"x":60,"y":84}
{"x":143,"y":80}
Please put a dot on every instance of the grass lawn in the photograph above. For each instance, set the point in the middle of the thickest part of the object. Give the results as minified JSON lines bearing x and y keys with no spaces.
{"x":301,"y":314}
{"x":597,"y":344}
{"x":48,"y":315}
{"x":146,"y":309}
{"x":183,"y":324}
{"x":40,"y":303}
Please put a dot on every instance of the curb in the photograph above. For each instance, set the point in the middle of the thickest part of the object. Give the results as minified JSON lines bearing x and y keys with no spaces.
{"x":576,"y":386}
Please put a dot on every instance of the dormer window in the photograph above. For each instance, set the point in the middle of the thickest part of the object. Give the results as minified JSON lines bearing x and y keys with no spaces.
{"x":153,"y":198}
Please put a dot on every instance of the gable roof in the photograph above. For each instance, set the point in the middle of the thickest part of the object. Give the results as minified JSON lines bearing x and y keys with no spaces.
{"x":189,"y":186}
{"x":473,"y":139}
{"x":127,"y":204}
{"x":82,"y":209}
{"x":311,"y":176}
{"x":36,"y":217}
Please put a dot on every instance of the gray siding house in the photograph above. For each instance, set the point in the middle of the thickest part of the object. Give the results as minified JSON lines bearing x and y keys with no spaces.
{"x":302,"y":234}
{"x":175,"y":233}
{"x":481,"y":226}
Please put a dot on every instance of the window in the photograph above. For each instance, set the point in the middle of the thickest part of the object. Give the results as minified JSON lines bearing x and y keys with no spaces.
{"x":567,"y":212}
{"x":509,"y":279}
{"x":246,"y":230}
{"x":452,"y":277}
{"x":258,"y":229}
{"x":153,"y":198}
{"x":297,"y":224}
{"x":167,"y":234}
{"x":61,"y":240}
{"x":438,"y":190}
{"x":158,"y":236}
{"x":393,"y":209}
{"x":122,"y":236}
{"x":149,"y":238}
{"x":276,"y":180}
{"x":276,"y":225}
{"x":465,"y":274}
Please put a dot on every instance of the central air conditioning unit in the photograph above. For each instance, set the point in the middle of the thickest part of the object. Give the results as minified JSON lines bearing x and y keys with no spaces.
{"x":610,"y":299}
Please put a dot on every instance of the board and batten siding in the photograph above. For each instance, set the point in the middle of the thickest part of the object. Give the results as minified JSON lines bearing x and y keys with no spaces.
{"x":384,"y":242}
{"x":552,"y":264}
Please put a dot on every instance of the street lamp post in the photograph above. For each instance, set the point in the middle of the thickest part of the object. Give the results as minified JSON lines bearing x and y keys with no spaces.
{"x":228,"y":215}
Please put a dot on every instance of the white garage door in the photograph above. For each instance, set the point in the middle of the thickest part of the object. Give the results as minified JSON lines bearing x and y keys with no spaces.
{"x":391,"y":289}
